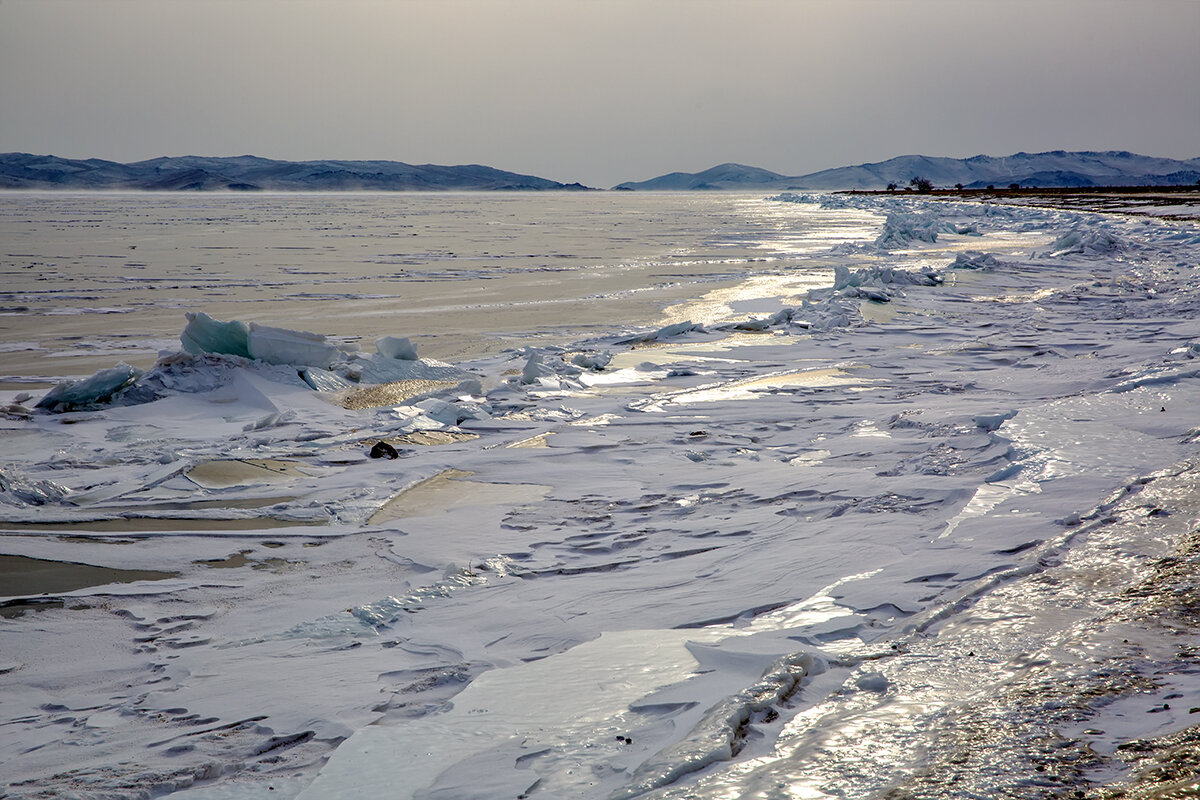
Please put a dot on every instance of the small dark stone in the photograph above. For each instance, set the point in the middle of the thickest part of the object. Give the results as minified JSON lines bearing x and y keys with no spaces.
{"x":383,"y":450}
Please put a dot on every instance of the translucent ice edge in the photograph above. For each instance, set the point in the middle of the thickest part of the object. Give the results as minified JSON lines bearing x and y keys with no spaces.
{"x":319,"y":364}
{"x":715,"y":737}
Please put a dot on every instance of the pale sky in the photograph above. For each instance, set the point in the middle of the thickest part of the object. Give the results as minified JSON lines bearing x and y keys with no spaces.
{"x":599,"y":91}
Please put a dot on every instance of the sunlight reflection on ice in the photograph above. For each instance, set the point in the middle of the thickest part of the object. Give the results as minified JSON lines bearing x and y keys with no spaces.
{"x":747,"y":389}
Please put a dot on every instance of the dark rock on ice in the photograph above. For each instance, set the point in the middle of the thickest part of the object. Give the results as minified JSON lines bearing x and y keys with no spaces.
{"x":383,"y":450}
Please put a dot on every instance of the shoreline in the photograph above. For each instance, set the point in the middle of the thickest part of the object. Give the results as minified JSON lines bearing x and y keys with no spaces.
{"x":1136,"y":201}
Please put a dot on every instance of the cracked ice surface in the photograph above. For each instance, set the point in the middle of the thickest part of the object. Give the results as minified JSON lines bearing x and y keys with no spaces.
{"x":802,"y":547}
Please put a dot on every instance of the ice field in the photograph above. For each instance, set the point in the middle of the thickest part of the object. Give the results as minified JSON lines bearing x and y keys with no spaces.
{"x":707,"y":496}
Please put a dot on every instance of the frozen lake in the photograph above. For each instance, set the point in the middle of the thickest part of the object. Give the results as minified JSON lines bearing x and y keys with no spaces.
{"x":95,"y":277}
{"x":695,"y":496}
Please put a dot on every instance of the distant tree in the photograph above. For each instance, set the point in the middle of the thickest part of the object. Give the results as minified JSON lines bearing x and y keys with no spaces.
{"x":892,"y":186}
{"x":922,"y":185}
{"x":1014,"y":186}
{"x":991,"y":187}
{"x":958,"y":186}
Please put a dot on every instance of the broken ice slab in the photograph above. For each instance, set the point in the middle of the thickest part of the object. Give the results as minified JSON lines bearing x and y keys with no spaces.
{"x":396,"y":359}
{"x":451,"y":414}
{"x":283,"y":346}
{"x":901,"y":229}
{"x":396,"y":347}
{"x":596,"y":361}
{"x":98,"y":388}
{"x":972,"y":259}
{"x":413,"y":418}
{"x":1089,"y":243}
{"x":451,"y":489}
{"x":17,"y":490}
{"x":203,"y":334}
{"x":575,"y":709}
{"x":991,"y":422}
{"x":533,"y":369}
{"x":879,"y":277}
{"x":99,"y":494}
{"x":670,"y":331}
{"x":322,"y":380}
{"x":224,"y":473}
{"x":381,"y":369}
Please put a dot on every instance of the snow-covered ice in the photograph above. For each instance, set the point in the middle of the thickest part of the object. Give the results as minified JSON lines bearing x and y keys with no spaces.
{"x":810,"y":546}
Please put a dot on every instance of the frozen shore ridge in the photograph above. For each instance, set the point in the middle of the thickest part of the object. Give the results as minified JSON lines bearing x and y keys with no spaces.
{"x":930,"y":530}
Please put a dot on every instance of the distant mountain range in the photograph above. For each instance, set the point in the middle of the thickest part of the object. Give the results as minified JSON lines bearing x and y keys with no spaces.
{"x":1057,"y":168}
{"x":248,"y":173}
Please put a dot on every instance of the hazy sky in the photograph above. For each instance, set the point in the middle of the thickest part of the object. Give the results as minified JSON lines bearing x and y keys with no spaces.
{"x":599,"y":91}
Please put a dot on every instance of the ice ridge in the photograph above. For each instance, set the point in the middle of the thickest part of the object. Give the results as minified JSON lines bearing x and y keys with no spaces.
{"x":211,"y":348}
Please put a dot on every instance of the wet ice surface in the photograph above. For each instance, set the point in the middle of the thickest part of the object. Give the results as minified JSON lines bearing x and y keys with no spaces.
{"x":807,"y":544}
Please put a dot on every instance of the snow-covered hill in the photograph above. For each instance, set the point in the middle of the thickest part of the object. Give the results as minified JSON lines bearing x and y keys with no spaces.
{"x":723,"y":176}
{"x":25,"y":171}
{"x":1056,"y":168}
